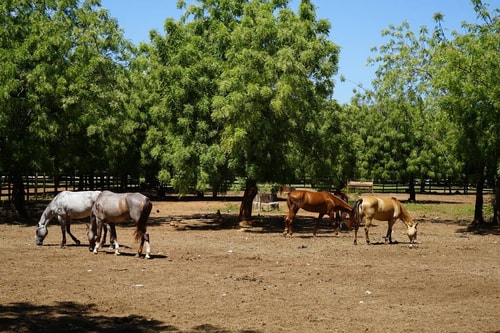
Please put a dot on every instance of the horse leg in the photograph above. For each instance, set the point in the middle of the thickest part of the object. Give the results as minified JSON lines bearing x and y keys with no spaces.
{"x":316,"y":225}
{"x":368,"y":223}
{"x":113,"y":238}
{"x":105,"y":235}
{"x":388,"y":236}
{"x":356,"y":227}
{"x":68,"y":229}
{"x":62,"y":223}
{"x":98,"y":235}
{"x":288,"y":225}
{"x":335,"y":224}
{"x":145,"y":239}
{"x":288,"y":222}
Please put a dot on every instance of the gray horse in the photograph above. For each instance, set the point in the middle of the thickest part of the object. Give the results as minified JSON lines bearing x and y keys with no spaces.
{"x":66,"y":206}
{"x":114,"y":208}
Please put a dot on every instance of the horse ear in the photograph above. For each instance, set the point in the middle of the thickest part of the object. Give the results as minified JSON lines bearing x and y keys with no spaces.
{"x":415,"y":225}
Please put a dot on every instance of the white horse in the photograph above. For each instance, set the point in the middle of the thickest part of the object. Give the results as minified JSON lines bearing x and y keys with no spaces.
{"x":66,"y":206}
{"x":382,"y":209}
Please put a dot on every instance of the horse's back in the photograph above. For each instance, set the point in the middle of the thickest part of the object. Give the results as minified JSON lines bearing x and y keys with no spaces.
{"x":74,"y":204}
{"x":380,"y":208}
{"x":120,"y":207}
{"x":308,"y":200}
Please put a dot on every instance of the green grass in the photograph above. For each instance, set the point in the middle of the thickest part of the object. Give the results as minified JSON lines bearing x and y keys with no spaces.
{"x":455,"y":211}
{"x":460,"y":211}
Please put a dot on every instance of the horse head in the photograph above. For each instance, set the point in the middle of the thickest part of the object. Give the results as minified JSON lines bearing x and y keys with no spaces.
{"x":92,"y":238}
{"x":412,"y":233}
{"x":41,"y":233}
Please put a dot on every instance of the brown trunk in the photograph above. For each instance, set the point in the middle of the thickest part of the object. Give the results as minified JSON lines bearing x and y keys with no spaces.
{"x":478,"y":208}
{"x":18,"y":197}
{"x":412,"y":191}
{"x":496,"y":213}
{"x":246,"y":204}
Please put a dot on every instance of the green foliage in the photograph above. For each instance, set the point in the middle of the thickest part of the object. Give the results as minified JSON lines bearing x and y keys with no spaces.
{"x":434,"y":111}
{"x":241,"y":86}
{"x":61,"y":86}
{"x":466,"y":75}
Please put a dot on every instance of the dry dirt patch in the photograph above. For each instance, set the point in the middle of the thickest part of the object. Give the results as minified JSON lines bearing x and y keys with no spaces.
{"x":209,"y":275}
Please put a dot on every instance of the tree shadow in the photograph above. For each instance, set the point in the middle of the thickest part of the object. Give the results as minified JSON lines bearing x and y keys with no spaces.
{"x":481,"y":230}
{"x":74,"y":317}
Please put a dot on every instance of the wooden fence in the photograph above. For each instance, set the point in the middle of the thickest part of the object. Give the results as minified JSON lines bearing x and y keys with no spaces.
{"x":428,"y":186}
{"x":42,"y":186}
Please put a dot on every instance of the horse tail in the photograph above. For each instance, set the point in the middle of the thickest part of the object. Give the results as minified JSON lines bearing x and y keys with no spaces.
{"x":355,"y":213}
{"x":141,"y":228}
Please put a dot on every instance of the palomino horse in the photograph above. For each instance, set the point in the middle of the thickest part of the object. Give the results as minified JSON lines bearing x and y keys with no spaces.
{"x":114,"y":208}
{"x":324,"y":203}
{"x":382,"y":209}
{"x":67,"y":206}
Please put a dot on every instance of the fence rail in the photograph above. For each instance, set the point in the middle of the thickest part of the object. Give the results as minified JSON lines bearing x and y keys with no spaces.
{"x":41,"y":186}
{"x":428,"y":187}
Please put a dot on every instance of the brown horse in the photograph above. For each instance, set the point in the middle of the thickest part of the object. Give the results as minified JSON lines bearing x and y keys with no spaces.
{"x":114,"y":208}
{"x":382,"y":209}
{"x":324,"y":203}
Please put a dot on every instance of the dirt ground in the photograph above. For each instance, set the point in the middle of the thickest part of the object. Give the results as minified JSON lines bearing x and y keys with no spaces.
{"x":208,"y":274}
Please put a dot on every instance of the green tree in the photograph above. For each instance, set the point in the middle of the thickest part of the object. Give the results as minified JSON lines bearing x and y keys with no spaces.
{"x":241,"y":86}
{"x":59,"y":81}
{"x":466,"y":76}
{"x":405,"y":141}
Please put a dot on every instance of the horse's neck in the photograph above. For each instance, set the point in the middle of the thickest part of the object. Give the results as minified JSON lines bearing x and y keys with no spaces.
{"x":405,"y":216}
{"x":344,"y":206}
{"x":47,"y":215}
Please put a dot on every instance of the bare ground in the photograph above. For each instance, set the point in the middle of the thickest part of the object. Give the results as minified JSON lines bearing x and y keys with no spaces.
{"x":208,"y":274}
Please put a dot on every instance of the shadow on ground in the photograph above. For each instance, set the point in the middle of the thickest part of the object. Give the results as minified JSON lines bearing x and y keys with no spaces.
{"x":73,"y":317}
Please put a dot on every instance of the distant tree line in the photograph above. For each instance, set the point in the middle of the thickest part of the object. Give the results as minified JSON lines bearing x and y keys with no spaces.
{"x":243,"y":90}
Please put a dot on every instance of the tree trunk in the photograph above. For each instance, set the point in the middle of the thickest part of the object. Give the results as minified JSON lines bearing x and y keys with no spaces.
{"x":18,"y":197}
{"x":478,"y":208}
{"x":496,"y":208}
{"x":412,"y":190}
{"x":246,"y":204}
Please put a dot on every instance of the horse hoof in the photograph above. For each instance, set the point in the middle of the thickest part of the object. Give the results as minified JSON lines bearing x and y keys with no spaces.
{"x":77,"y":242}
{"x":147,"y":256}
{"x":95,"y":251}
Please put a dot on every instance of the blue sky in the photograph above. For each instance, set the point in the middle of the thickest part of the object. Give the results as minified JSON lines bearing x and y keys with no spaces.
{"x":356,"y":26}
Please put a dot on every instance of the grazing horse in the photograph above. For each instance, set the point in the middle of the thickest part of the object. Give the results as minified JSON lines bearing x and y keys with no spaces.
{"x":66,"y":206}
{"x":341,"y":214}
{"x":382,"y":209}
{"x":324,"y":203}
{"x":114,"y":208}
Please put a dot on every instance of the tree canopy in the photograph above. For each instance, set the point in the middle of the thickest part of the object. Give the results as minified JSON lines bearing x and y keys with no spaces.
{"x":243,"y":90}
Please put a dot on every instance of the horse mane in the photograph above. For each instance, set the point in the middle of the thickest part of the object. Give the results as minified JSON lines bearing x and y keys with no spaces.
{"x":404,"y":214}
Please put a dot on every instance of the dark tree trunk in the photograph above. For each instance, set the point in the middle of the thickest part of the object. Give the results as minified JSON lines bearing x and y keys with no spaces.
{"x":496,"y":208}
{"x":413,"y":196}
{"x":478,"y":208}
{"x":246,"y":204}
{"x":18,"y":196}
